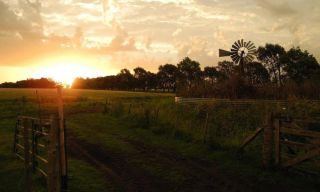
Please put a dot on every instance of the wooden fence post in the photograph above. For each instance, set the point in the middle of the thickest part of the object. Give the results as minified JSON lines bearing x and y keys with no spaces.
{"x":26,"y":136}
{"x":267,"y":141}
{"x":54,"y":172}
{"x":63,"y":159}
{"x":277,"y":124}
{"x":206,"y":128}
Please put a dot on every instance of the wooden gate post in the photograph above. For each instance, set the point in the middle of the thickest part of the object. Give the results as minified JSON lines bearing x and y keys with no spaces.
{"x":267,"y":141}
{"x":63,"y":158}
{"x":26,"y":137}
{"x":277,"y":125}
{"x":54,"y":171}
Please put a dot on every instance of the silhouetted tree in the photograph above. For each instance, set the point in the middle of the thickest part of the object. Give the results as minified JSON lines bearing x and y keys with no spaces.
{"x":140,"y":76}
{"x":300,"y":65}
{"x":226,"y":69}
{"x":151,"y":81}
{"x":125,"y":80}
{"x":271,"y":56}
{"x":167,"y":76}
{"x":189,"y":71}
{"x":31,"y":83}
{"x":210,"y":74}
{"x":256,"y":73}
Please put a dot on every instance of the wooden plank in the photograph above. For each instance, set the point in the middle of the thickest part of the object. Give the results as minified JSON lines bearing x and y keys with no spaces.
{"x":20,"y":146}
{"x":26,"y":125}
{"x":297,"y":144}
{"x":267,"y":141}
{"x":206,"y":128}
{"x":300,"y":132}
{"x":251,"y":137}
{"x":302,"y":158}
{"x":54,"y":172}
{"x":63,"y":158}
{"x":39,"y":144}
{"x":277,"y":125}
{"x":19,"y":156}
{"x":42,"y":172}
{"x":41,"y":159}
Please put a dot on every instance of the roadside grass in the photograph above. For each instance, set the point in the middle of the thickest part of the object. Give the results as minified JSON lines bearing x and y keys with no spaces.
{"x":122,"y":119}
{"x":97,"y":129}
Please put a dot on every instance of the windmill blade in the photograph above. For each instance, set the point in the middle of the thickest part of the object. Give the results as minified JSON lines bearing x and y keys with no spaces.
{"x":233,"y":57}
{"x":250,"y":57}
{"x":235,"y":45}
{"x":224,"y":53}
{"x":234,"y":50}
{"x":251,"y":46}
{"x":242,"y":43}
{"x":245,"y":44}
{"x":252,"y":51}
{"x":235,"y":54}
{"x":248,"y":44}
{"x":239,"y":43}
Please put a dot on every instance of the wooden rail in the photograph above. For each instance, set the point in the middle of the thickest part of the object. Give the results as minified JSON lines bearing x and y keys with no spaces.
{"x":278,"y":132}
{"x":29,"y":132}
{"x":281,"y":129}
{"x":52,"y":158}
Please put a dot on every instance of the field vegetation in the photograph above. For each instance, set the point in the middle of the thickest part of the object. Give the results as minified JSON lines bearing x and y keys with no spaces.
{"x":133,"y":141}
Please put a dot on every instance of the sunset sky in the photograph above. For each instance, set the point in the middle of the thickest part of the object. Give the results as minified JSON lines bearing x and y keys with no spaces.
{"x":60,"y":38}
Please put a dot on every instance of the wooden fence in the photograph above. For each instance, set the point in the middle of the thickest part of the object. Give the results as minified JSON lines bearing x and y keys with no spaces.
{"x":287,"y":142}
{"x":294,"y":139}
{"x":40,"y":143}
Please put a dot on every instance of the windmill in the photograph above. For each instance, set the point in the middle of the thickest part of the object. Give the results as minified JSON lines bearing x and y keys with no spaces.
{"x":240,"y":52}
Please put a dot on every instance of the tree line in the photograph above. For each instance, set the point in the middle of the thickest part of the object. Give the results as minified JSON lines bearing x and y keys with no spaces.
{"x":30,"y":83}
{"x":276,"y":73}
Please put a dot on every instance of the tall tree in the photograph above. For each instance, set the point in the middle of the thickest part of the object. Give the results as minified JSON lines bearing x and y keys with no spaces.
{"x":141,"y":75}
{"x":210,"y":74}
{"x":189,"y":71}
{"x":125,"y":79}
{"x":167,"y":76}
{"x":256,"y":73}
{"x":300,"y":65}
{"x":271,"y":56}
{"x":226,"y":69}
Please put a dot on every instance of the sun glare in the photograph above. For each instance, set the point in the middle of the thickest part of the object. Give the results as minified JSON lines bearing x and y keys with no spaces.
{"x":65,"y":73}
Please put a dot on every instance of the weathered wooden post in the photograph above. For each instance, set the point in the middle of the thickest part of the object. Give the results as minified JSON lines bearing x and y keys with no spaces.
{"x":206,"y":128}
{"x":267,"y":141}
{"x":54,"y":171}
{"x":26,"y":128}
{"x":277,"y":125}
{"x":62,"y":151}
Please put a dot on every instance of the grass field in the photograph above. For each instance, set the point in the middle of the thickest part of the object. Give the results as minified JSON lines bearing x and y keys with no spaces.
{"x":133,"y":141}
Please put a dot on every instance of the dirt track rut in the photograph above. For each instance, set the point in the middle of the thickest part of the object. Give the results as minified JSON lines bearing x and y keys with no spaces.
{"x":126,"y":175}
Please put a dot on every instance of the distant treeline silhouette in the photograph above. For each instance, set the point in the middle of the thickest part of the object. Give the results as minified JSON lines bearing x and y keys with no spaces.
{"x":276,"y":74}
{"x":30,"y":83}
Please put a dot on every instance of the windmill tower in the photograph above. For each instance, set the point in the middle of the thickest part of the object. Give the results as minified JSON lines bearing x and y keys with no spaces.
{"x":240,"y":52}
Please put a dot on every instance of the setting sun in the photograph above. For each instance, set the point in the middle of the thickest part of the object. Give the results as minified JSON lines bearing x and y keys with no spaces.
{"x":65,"y":72}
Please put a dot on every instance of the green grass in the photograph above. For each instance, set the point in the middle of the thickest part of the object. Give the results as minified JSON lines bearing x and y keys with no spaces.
{"x":153,"y":120}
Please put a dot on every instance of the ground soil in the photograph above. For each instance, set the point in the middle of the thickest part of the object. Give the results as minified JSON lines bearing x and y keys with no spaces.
{"x":120,"y":169}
